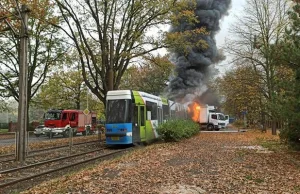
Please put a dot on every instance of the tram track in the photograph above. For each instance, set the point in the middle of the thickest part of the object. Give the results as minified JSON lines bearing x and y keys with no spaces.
{"x":13,"y":176}
{"x":11,"y":157}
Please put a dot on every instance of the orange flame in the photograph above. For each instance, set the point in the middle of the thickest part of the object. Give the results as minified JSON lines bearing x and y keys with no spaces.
{"x":194,"y":110}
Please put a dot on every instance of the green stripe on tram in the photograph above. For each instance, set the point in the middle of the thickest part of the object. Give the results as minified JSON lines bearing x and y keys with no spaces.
{"x":164,"y":100}
{"x":138,"y":99}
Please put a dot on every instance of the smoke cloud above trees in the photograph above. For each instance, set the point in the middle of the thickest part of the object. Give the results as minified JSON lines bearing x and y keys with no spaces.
{"x":193,"y":65}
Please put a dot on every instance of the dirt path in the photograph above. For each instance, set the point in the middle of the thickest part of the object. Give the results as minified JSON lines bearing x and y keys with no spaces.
{"x":207,"y":163}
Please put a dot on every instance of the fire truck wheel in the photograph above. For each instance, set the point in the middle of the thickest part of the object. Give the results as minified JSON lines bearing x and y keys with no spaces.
{"x":66,"y":133}
{"x":50,"y":135}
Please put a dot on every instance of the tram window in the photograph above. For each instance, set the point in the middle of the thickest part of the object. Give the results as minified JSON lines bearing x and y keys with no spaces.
{"x":142,"y":116}
{"x":118,"y":111}
{"x":151,"y":106}
{"x":159,"y":115}
{"x":172,"y":114}
{"x":166,"y":111}
{"x":135,"y":115}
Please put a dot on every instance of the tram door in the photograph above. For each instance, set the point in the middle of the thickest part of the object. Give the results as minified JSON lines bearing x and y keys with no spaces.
{"x":160,"y":119}
{"x":139,"y":122}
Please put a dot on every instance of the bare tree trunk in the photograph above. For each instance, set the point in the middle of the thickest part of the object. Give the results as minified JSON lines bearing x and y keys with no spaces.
{"x":263,"y":123}
{"x":274,"y":126}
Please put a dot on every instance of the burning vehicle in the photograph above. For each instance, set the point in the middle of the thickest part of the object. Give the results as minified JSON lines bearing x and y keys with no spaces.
{"x":207,"y":117}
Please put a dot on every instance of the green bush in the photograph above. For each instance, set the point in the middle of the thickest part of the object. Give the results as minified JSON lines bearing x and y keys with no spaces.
{"x":175,"y":130}
{"x":291,"y":136}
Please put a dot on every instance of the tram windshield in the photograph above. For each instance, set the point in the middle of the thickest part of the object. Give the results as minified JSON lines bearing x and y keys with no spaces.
{"x":118,"y":111}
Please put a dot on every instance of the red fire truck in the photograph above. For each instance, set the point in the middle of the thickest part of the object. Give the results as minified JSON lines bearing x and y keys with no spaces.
{"x":69,"y":122}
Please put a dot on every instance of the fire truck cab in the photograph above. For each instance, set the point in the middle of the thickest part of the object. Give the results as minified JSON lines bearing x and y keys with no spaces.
{"x":69,"y":122}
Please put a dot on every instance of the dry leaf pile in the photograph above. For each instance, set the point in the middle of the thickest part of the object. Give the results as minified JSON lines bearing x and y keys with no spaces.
{"x":206,"y":163}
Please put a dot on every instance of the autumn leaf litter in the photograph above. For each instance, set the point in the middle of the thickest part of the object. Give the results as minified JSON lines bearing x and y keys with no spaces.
{"x":206,"y":163}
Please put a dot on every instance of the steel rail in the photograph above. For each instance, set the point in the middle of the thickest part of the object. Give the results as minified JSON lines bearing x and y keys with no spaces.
{"x":46,"y":149}
{"x":57,"y":147}
{"x":47,"y":161}
{"x":60,"y":168}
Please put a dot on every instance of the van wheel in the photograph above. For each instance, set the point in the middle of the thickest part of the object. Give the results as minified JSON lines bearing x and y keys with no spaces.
{"x":210,"y":127}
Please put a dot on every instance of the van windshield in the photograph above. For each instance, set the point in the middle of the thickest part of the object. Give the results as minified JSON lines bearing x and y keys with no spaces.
{"x":118,"y":111}
{"x":221,"y":117}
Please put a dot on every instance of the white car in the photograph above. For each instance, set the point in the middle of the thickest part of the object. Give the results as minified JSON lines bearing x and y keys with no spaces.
{"x":39,"y":130}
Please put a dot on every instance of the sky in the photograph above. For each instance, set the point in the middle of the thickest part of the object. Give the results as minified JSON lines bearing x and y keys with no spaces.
{"x":236,"y":9}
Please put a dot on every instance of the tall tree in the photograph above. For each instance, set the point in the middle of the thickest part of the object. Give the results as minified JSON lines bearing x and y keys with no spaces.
{"x":8,"y":110}
{"x":152,"y":76}
{"x":290,"y":58}
{"x":45,"y":48}
{"x":6,"y":15}
{"x":258,"y":33}
{"x":241,"y":90}
{"x":66,"y":90}
{"x":3,"y":105}
{"x":63,"y":90}
{"x":109,"y":34}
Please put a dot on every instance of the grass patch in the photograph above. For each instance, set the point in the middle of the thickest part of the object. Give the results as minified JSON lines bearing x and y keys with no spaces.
{"x":273,"y":145}
{"x":258,"y":180}
{"x":241,"y":153}
{"x":3,"y":130}
{"x":248,"y":177}
{"x":297,"y":188}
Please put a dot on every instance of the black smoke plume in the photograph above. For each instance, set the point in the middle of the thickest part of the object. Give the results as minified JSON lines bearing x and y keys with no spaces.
{"x":194,"y":67}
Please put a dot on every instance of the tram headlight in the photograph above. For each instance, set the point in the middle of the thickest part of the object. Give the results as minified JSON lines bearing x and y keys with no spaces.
{"x":129,"y":134}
